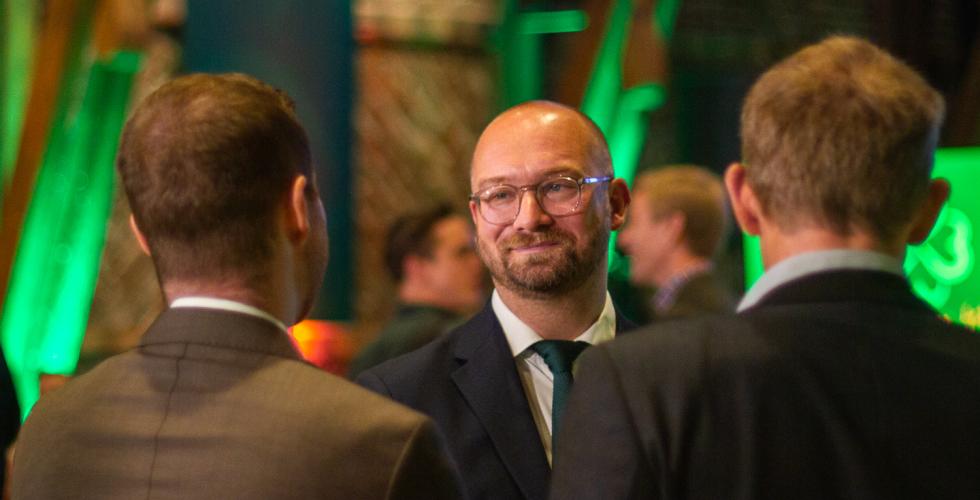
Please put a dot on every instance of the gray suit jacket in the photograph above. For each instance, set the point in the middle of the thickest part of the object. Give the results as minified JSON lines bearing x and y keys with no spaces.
{"x":216,"y":404}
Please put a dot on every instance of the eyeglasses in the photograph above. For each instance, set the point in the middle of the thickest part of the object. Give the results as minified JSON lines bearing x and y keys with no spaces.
{"x":556,"y":196}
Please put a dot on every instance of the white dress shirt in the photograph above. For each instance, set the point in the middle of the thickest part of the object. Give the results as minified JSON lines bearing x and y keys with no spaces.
{"x":226,"y":305}
{"x":536,"y":377}
{"x":808,"y":263}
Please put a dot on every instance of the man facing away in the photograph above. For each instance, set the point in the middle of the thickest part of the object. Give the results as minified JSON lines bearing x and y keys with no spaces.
{"x":440,"y":280}
{"x":833,"y":380}
{"x":675,"y":225}
{"x":215,"y":402}
{"x":544,"y":202}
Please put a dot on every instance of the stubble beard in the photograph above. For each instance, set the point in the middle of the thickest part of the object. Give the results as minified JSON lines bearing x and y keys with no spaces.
{"x":552,"y":274}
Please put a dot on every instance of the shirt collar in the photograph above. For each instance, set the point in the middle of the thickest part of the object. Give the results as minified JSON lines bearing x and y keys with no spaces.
{"x":520,"y":336}
{"x":226,"y":305}
{"x":808,"y":263}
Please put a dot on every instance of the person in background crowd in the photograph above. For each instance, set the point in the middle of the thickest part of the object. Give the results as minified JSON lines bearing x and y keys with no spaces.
{"x":675,"y":225}
{"x":440,"y":281}
{"x":833,"y":380}
{"x":544,"y":202}
{"x":215,"y":401}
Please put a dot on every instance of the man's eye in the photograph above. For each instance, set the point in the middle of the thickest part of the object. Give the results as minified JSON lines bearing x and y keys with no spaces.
{"x":499,"y":196}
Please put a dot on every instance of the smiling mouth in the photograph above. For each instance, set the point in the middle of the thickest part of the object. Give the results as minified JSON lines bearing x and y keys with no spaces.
{"x":536,"y":247}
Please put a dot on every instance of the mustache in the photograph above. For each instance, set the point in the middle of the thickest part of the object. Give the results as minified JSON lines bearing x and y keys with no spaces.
{"x":552,"y":235}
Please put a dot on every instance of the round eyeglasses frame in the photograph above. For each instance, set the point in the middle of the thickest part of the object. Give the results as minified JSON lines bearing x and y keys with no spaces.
{"x":480,"y":197}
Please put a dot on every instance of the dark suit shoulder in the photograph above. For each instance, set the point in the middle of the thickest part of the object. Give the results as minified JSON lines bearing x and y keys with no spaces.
{"x":408,"y":378}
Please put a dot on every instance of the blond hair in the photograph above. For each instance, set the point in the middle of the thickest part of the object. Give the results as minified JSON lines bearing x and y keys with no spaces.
{"x":842,"y":135}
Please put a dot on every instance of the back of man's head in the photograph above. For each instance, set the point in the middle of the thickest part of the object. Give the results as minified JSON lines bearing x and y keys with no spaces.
{"x":692,"y":191}
{"x":412,"y":234}
{"x":841,"y":136}
{"x":204,"y":161}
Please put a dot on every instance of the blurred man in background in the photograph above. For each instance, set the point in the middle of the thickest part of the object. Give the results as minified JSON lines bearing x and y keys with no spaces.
{"x":440,"y":282}
{"x":675,"y":226}
{"x":834,"y":380}
{"x":215,"y":401}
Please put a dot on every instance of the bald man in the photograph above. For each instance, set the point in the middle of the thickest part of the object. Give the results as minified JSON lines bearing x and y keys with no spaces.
{"x":544,"y":202}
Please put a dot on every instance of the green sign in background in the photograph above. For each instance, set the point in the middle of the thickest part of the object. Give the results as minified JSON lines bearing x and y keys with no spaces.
{"x":942,"y":269}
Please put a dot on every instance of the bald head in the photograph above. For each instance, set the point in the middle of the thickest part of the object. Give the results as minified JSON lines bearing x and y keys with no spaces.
{"x":539,"y":133}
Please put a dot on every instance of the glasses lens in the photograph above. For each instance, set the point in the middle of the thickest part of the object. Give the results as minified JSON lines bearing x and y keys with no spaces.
{"x":559,"y":196}
{"x":499,"y":204}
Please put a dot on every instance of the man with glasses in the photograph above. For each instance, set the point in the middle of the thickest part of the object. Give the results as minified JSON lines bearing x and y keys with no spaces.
{"x":544,"y":202}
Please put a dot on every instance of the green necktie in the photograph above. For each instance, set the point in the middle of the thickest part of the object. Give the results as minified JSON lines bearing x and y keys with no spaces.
{"x":559,"y":355}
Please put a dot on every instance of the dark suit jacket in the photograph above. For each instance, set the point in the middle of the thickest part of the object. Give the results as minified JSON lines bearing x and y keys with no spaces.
{"x":837,"y":385}
{"x":216,"y":404}
{"x":468,"y":382}
{"x":700,"y":295}
{"x":412,"y":326}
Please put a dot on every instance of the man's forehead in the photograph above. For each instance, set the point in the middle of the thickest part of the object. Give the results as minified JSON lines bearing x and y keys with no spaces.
{"x":517,"y":174}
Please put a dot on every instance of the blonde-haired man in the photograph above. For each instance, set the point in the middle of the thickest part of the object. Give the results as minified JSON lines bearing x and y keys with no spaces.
{"x":674,"y":228}
{"x":833,"y":380}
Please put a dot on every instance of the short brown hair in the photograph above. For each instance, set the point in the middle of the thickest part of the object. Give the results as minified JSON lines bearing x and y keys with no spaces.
{"x":842,"y":135}
{"x":693,"y":191}
{"x":412,"y":234}
{"x":204,"y":160}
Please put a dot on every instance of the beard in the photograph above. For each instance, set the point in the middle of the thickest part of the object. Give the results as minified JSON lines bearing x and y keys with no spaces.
{"x":554,"y":272}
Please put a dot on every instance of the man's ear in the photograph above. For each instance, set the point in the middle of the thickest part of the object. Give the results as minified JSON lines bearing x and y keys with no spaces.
{"x":675,"y":223}
{"x":139,"y":235}
{"x":745,"y":204}
{"x":619,"y":202}
{"x":474,"y":213}
{"x":936,"y":197}
{"x":412,"y":267}
{"x":297,"y":210}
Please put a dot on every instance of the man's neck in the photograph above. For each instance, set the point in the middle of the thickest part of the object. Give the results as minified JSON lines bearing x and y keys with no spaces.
{"x":562,"y":317}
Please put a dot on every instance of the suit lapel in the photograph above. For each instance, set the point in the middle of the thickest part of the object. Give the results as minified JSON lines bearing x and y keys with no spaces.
{"x":489,"y":382}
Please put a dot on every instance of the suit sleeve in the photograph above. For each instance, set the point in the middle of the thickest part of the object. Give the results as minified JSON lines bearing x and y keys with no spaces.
{"x":425,"y":469}
{"x":599,"y":453}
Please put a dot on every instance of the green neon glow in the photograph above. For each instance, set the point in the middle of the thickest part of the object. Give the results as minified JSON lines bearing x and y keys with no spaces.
{"x":941,"y":269}
{"x":666,"y":17}
{"x":605,"y":85}
{"x":629,"y":127}
{"x":518,"y":40}
{"x":621,"y":114}
{"x":57,"y":263}
{"x":17,"y":47}
{"x":559,"y":21}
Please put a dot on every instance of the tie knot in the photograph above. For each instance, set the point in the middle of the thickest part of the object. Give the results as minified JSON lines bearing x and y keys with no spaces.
{"x":559,"y":354}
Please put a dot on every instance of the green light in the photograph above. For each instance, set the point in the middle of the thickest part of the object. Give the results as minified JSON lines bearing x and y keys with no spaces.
{"x":57,"y":263}
{"x":941,"y":269}
{"x":667,"y":11}
{"x":560,"y":21}
{"x":603,"y":92}
{"x":16,"y":47}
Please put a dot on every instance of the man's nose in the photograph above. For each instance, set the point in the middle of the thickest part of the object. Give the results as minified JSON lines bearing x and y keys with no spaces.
{"x":531,"y":215}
